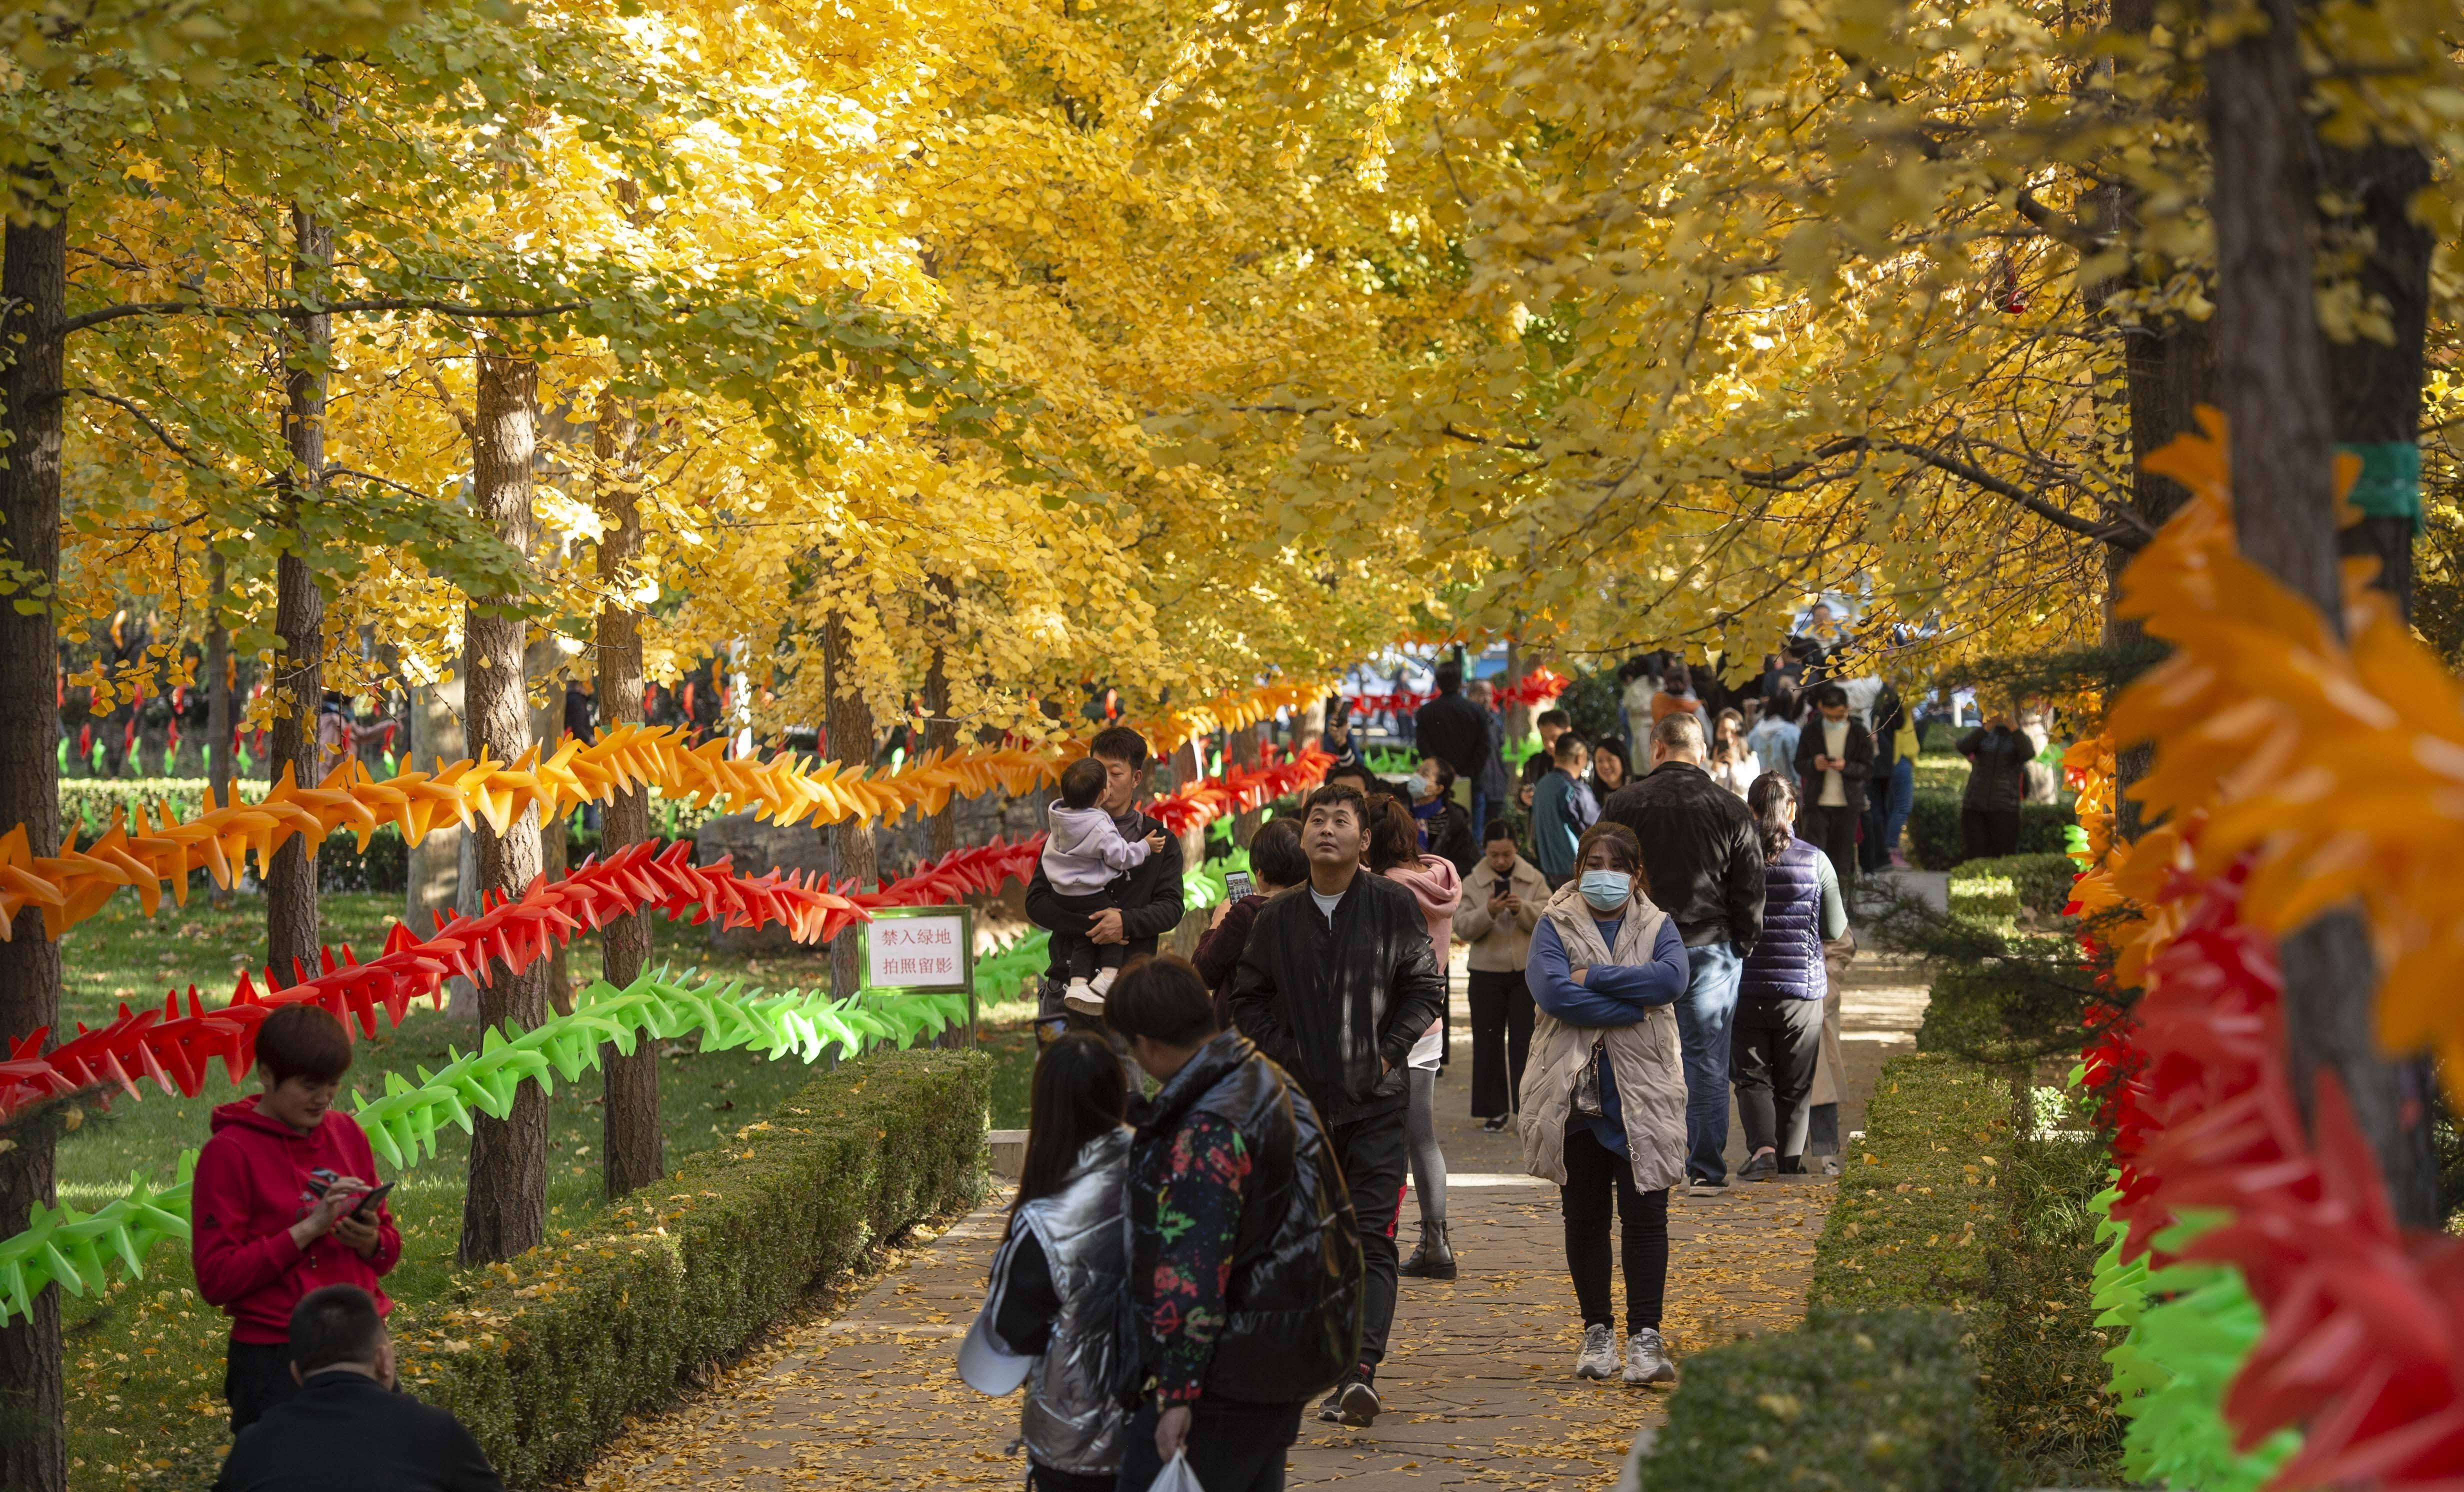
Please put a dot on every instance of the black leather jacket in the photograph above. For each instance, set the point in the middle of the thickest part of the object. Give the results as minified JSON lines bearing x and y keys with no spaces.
{"x":1699,"y":851}
{"x":1294,"y":1288}
{"x":1340,"y":1007}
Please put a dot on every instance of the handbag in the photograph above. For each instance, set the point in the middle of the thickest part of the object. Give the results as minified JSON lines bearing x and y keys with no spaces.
{"x":1587,"y":1083}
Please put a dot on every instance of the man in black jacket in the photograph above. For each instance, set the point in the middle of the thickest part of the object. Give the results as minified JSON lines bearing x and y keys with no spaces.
{"x":1337,"y":982}
{"x":1147,"y":897}
{"x":1454,"y":730}
{"x":347,"y":1426}
{"x":1705,"y":869}
{"x":1835,"y":756}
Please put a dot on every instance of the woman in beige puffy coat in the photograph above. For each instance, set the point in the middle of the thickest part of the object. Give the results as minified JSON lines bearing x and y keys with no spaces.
{"x":1604,"y":1096}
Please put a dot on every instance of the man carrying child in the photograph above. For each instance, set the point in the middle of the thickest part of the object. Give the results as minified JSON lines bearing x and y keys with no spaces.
{"x":1145,"y":900}
{"x":1084,"y":853}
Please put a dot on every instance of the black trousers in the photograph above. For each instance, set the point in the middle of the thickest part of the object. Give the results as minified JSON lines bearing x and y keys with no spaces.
{"x":1044,"y":1479}
{"x":1075,"y":955}
{"x":1374,"y":1152}
{"x":1233,"y":1446}
{"x":1596,"y":1178}
{"x":1501,"y":1040}
{"x":257,"y":1376}
{"x":1987,"y":833}
{"x":1772,"y":1049}
{"x":1834,"y":832}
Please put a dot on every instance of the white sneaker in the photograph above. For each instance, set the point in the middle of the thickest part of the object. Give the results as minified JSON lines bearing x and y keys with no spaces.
{"x":1102,"y":982}
{"x":1082,"y":999}
{"x":1646,"y":1360}
{"x":1599,"y":1358}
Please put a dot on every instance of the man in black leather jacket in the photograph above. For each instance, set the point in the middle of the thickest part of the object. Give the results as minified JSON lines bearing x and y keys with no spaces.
{"x":1148,"y":895}
{"x":1337,"y":982}
{"x":1705,"y":866}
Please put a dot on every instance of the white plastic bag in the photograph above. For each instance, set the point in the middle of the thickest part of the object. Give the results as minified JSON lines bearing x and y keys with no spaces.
{"x":1176,"y":1476}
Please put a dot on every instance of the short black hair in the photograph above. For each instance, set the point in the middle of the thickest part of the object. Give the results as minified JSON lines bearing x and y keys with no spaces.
{"x":1567,"y":745}
{"x":1554,"y":717}
{"x":336,"y":1326}
{"x":1163,"y":998}
{"x":1339,"y":795}
{"x":1498,"y":829}
{"x":1352,"y":769}
{"x":1082,"y":783}
{"x":303,"y":1041}
{"x":1275,"y":854}
{"x":1825,"y":695}
{"x":1450,"y":677}
{"x":1120,"y":743}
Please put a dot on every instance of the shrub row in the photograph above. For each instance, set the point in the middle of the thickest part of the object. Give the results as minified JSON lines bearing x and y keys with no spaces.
{"x":545,"y":1357}
{"x":1949,"y":1336}
{"x":2013,"y":890}
{"x":1933,"y":841}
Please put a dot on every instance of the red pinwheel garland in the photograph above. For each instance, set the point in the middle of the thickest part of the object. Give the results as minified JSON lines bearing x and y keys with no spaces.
{"x":1239,"y":789}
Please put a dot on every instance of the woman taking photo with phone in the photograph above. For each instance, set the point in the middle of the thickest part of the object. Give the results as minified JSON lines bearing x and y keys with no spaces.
{"x":1060,"y":1281}
{"x":1604,"y":1096}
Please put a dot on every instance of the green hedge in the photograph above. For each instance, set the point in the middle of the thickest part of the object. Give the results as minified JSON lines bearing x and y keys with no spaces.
{"x":1914,"y":1192}
{"x":545,"y":1357}
{"x":1933,"y":829}
{"x":1872,"y":1403}
{"x":2013,"y":889}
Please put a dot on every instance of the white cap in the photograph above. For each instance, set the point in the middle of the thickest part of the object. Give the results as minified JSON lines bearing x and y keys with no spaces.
{"x":985,"y":1364}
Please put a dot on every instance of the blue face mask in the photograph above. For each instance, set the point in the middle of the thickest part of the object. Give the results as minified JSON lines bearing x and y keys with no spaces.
{"x":1606,"y":890}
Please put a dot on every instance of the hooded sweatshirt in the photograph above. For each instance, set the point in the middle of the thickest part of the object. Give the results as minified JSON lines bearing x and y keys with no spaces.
{"x":1084,"y":851}
{"x":1438,"y":886}
{"x":253,"y":1182}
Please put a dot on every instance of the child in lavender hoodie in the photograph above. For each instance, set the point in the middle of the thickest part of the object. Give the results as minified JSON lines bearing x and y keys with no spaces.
{"x":1082,"y":853}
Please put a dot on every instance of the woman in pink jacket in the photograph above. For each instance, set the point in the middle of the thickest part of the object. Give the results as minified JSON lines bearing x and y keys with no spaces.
{"x":1394,"y":852}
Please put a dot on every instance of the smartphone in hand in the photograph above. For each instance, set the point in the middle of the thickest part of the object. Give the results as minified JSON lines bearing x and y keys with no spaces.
{"x":366,"y":1210}
{"x":1237,"y":885}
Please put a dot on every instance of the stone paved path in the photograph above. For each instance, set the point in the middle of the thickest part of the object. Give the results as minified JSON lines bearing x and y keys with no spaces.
{"x":1478,"y":1386}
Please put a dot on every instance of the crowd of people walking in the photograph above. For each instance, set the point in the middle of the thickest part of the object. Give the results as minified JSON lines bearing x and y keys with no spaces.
{"x":1643,"y":939}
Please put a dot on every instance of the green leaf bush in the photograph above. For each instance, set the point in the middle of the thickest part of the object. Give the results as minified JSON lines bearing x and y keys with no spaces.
{"x":545,"y":1357}
{"x":1933,"y":841}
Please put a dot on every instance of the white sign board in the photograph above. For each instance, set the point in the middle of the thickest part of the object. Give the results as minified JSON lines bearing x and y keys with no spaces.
{"x":918,"y":949}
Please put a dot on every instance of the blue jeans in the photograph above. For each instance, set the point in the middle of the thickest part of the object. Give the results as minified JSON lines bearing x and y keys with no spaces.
{"x":1479,"y":820}
{"x":1903,"y":803}
{"x":1705,"y":1014}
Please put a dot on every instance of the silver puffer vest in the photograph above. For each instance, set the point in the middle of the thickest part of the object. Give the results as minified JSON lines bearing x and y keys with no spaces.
{"x":1071,"y":1421}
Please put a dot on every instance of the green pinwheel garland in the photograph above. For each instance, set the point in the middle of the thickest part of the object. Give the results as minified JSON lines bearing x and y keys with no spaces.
{"x":81,"y":1251}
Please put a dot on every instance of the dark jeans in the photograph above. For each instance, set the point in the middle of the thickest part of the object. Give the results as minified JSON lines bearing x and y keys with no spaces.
{"x":1986,"y":833}
{"x":1595,"y":1177}
{"x":1704,"y":1013}
{"x":1374,"y":1154}
{"x":1233,"y":1446}
{"x":1834,"y":832}
{"x":1073,"y":955}
{"x":257,"y":1376}
{"x":1044,"y":1478}
{"x":1501,"y":1041}
{"x":1901,"y":801}
{"x":1776,"y":1045}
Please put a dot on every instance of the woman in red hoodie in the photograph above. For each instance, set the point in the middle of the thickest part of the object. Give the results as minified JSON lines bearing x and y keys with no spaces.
{"x":275,"y":1205}
{"x":1394,"y":852}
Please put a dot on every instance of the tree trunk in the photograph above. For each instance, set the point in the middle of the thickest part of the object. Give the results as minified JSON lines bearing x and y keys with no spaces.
{"x":633,"y":1147}
{"x":34,"y":292}
{"x":291,"y":927}
{"x":2274,"y":377}
{"x":505,"y":1212}
{"x":849,"y":718}
{"x":941,"y":734}
{"x":2377,"y":384}
{"x":219,"y":694}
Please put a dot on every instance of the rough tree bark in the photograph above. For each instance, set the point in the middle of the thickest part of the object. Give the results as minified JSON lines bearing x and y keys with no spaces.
{"x":2273,"y":376}
{"x":848,"y":720}
{"x":291,"y":927}
{"x":34,"y":295}
{"x":1241,"y":750}
{"x":632,"y":1150}
{"x":218,"y":695}
{"x":941,"y":734}
{"x":505,"y":1212}
{"x":2377,"y":384}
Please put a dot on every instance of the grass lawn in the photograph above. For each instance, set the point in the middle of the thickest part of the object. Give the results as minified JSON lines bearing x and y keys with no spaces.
{"x":145,"y":1362}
